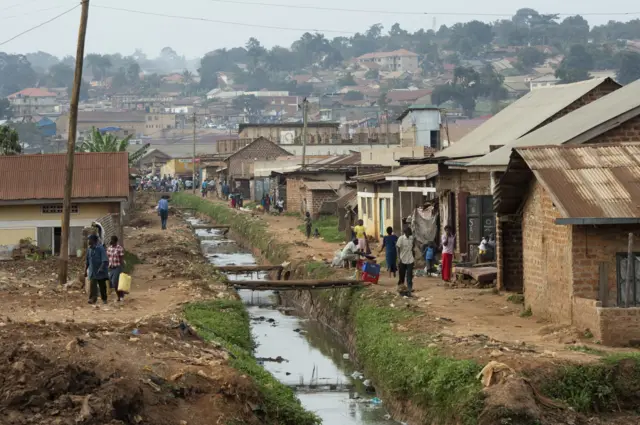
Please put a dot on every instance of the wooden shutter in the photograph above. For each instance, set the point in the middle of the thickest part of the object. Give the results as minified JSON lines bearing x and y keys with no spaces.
{"x":462,"y":222}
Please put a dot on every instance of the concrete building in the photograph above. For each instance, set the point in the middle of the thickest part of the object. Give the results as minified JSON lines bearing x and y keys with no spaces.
{"x":291,"y":133}
{"x":397,"y":60}
{"x":136,"y":124}
{"x":31,"y":192}
{"x":420,"y":126}
{"x":568,"y":234}
{"x":34,"y":101}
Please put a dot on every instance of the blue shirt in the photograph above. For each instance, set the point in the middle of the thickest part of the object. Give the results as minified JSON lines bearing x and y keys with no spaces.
{"x":163,"y":205}
{"x":97,"y":263}
{"x":429,"y":254}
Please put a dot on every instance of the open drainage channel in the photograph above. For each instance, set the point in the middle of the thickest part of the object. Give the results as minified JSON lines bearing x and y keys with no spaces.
{"x":299,"y":353}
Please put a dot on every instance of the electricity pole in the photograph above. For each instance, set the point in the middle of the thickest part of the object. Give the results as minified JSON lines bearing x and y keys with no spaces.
{"x":193,"y":186}
{"x":304,"y":129}
{"x":71,"y":145}
{"x":386,"y":118}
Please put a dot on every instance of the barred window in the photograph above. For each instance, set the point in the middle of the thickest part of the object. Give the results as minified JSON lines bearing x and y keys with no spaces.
{"x":57,"y":209}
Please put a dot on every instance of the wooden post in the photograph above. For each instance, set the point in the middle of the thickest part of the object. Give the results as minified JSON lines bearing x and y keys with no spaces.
{"x":603,"y":284}
{"x":630,"y":261}
{"x":71,"y":145}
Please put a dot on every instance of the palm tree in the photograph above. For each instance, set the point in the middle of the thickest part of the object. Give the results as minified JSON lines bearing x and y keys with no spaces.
{"x":99,"y":142}
{"x":9,"y":141}
{"x":187,"y":77}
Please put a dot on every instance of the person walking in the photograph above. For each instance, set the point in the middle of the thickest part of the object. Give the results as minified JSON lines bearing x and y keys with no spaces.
{"x":448,"y":242}
{"x":307,"y":224}
{"x":96,"y":268}
{"x":405,"y":246}
{"x":361,"y":234}
{"x":115,"y":255}
{"x":203,"y":188}
{"x":391,"y":254}
{"x":163,"y":211}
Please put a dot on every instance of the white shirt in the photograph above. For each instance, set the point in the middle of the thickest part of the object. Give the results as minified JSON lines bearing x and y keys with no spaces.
{"x":349,"y":249}
{"x":448,"y":243}
{"x":405,"y":249}
{"x":483,"y":245}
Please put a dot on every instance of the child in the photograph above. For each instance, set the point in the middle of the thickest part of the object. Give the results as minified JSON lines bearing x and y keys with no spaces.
{"x":429,"y":257}
{"x":316,"y":233}
{"x":391,"y":254}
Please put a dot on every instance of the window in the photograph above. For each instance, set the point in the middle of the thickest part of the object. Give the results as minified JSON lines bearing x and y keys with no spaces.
{"x":155,"y":117}
{"x":364,"y":206}
{"x":621,"y":279}
{"x":57,"y":209}
{"x":370,"y":208}
{"x":149,"y":118}
{"x":435,"y":139}
{"x":387,"y":208}
{"x":481,"y":221}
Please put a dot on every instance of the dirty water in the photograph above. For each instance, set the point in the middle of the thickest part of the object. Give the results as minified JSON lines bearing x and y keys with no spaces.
{"x":299,"y":353}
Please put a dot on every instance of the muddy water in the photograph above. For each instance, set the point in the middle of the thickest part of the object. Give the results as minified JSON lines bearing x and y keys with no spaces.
{"x":314,"y":363}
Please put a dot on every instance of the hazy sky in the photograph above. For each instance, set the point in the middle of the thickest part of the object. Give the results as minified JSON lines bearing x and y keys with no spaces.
{"x":116,"y":31}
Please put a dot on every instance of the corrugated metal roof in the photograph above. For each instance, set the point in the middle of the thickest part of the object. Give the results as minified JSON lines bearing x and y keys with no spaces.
{"x":348,"y":199}
{"x":519,"y":118}
{"x":414,"y":171}
{"x":369,"y":178}
{"x":572,"y":125}
{"x":323,"y":185}
{"x":95,"y":175}
{"x":589,"y":181}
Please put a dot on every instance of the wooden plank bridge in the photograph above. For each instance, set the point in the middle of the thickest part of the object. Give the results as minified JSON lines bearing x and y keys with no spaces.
{"x":296,"y":285}
{"x":248,"y":269}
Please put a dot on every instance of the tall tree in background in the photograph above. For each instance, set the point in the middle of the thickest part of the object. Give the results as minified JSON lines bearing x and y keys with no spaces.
{"x":99,"y":142}
{"x":256,"y":52}
{"x":60,"y":75}
{"x":16,"y":74}
{"x":576,"y":65}
{"x":467,"y":86}
{"x":629,"y":69}
{"x":99,"y":65}
{"x":528,"y":58}
{"x":9,"y":141}
{"x":250,"y":104}
{"x":5,"y":109}
{"x":347,"y":80}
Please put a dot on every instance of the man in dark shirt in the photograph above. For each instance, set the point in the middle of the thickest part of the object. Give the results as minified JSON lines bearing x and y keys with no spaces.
{"x":97,"y":266}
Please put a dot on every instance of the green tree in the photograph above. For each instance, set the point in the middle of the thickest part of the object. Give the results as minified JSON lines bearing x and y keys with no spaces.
{"x":353,"y":95}
{"x":575,"y":66}
{"x":250,"y":104}
{"x":99,"y":142}
{"x":99,"y":65}
{"x":529,"y":57}
{"x":347,"y":80}
{"x":61,"y":75}
{"x":256,"y":53}
{"x":372,"y":74}
{"x":5,"y":109}
{"x":15,"y":74}
{"x":9,"y":141}
{"x":629,"y":69}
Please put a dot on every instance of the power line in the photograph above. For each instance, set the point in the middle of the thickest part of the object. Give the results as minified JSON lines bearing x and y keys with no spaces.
{"x":33,"y":11}
{"x":40,"y":25}
{"x":191,"y":18}
{"x":396,"y":12}
{"x":16,"y":5}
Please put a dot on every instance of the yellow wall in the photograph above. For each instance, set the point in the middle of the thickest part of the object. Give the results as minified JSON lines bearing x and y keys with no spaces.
{"x":176,"y":166}
{"x":34,"y":212}
{"x":13,"y":236}
{"x":372,"y":220}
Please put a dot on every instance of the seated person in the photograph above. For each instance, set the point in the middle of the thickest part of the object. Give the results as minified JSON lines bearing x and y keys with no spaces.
{"x":350,"y":252}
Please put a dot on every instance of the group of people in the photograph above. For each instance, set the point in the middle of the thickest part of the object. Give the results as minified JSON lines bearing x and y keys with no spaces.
{"x":102,"y":265}
{"x":165,"y":183}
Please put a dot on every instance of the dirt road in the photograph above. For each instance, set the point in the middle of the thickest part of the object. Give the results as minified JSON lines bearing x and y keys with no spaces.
{"x":63,"y":361}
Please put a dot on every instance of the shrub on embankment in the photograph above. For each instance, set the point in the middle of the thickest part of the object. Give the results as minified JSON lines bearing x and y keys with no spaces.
{"x":227,"y":322}
{"x":444,"y":388}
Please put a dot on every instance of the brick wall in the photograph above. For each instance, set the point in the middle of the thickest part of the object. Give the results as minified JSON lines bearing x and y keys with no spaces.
{"x":241,"y":164}
{"x":509,"y":253}
{"x":315,"y":199}
{"x":546,"y":259}
{"x":627,"y":132}
{"x":595,"y":94}
{"x":294,"y":194}
{"x":594,"y":245}
{"x":619,"y":326}
{"x":457,"y":181}
{"x":586,"y":316}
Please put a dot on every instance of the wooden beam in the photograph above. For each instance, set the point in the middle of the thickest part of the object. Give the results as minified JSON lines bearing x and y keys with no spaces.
{"x":247,"y":269}
{"x":284,"y":285}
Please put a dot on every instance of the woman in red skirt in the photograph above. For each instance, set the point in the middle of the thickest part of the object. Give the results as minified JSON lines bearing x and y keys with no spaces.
{"x":448,"y":243}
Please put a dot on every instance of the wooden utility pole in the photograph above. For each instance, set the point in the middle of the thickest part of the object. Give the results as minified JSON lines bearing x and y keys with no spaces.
{"x":630,"y":278}
{"x":304,"y":130}
{"x":193,"y":182}
{"x":71,"y":145}
{"x":386,"y":118}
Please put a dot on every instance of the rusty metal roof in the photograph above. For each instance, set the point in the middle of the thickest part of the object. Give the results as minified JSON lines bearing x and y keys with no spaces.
{"x":589,"y":181}
{"x":33,"y":177}
{"x":412,"y":172}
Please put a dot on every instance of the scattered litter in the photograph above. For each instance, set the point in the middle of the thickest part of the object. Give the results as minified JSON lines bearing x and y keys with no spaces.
{"x":376,"y":401}
{"x":357,"y":375}
{"x":345,"y":356}
{"x":494,"y":373}
{"x":135,"y":332}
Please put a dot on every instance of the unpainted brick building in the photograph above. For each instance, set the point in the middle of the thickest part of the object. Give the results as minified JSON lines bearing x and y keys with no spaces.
{"x":568,"y":211}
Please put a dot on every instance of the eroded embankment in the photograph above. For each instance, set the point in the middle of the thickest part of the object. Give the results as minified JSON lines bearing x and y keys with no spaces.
{"x":425,"y":381}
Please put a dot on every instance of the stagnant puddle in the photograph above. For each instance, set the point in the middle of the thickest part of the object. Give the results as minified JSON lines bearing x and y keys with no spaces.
{"x":310,"y":357}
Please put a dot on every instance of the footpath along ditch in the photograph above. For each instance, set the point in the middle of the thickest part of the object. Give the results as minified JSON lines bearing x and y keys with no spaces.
{"x":425,"y":375}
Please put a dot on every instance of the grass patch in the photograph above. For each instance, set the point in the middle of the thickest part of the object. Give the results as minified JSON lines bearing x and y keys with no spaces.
{"x":327,"y":225}
{"x":227,"y":322}
{"x":585,"y":349}
{"x":526,"y":312}
{"x":443,"y":387}
{"x":291,"y":214}
{"x":516,"y":298}
{"x":130,"y":261}
{"x":317,"y":270}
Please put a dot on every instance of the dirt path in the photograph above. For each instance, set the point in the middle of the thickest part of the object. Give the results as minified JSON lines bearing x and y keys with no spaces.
{"x":64,"y":362}
{"x":466,"y":314}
